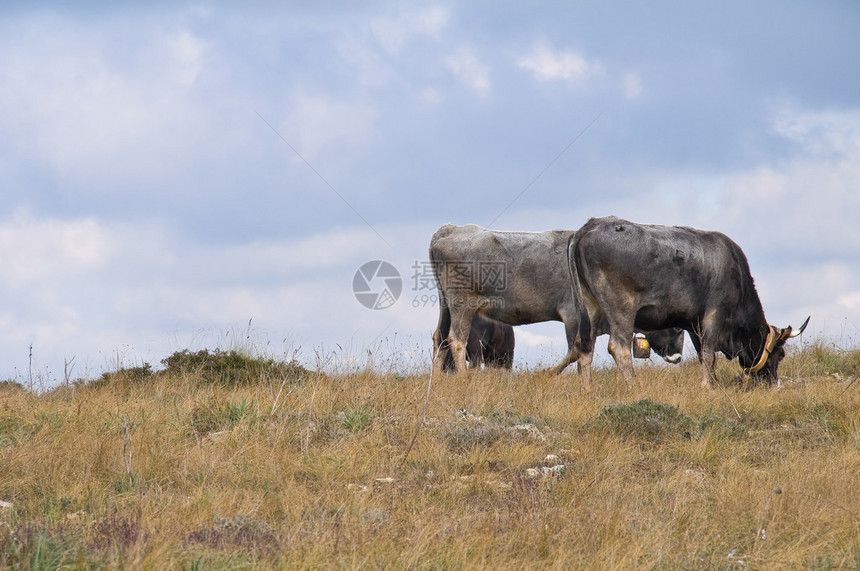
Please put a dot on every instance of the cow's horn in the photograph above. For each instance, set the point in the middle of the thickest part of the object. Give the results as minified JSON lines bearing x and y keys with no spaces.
{"x":769,"y":344}
{"x":800,"y":329}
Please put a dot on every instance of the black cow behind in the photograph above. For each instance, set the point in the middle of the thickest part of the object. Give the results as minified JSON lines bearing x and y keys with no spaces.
{"x":653,"y":277}
{"x":668,"y":343}
{"x":490,"y":343}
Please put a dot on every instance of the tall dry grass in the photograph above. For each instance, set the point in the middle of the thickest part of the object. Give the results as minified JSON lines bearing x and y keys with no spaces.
{"x":195,"y":469}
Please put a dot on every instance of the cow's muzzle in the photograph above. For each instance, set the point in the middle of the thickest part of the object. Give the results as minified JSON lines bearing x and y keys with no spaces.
{"x":774,"y":337}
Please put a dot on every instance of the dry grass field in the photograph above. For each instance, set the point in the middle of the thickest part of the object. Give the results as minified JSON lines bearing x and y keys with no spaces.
{"x":227,"y":461}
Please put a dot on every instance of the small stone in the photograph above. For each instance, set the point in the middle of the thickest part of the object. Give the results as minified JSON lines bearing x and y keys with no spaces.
{"x":529,"y":430}
{"x":532,"y":473}
{"x":554,"y":471}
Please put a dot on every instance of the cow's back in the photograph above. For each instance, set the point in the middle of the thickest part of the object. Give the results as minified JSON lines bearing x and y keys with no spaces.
{"x":513,"y":277}
{"x":674,"y":274}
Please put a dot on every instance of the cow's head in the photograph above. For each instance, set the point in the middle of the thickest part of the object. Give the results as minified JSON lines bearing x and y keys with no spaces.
{"x":668,"y":343}
{"x":772,"y":352}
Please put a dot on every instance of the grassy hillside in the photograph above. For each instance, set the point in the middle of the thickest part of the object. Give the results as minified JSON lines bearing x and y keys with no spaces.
{"x":227,"y":461}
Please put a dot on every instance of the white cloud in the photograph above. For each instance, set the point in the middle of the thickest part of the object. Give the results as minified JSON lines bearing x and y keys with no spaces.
{"x":470,"y":70}
{"x":534,"y":339}
{"x":188,"y":54}
{"x":393,"y":33}
{"x":285,"y":260}
{"x":50,"y":250}
{"x":430,"y":95}
{"x":849,"y":300}
{"x":781,"y":204}
{"x":99,"y":106}
{"x":818,"y":131}
{"x":632,"y":85}
{"x":374,"y":53}
{"x":546,"y":64}
{"x":320,"y":124}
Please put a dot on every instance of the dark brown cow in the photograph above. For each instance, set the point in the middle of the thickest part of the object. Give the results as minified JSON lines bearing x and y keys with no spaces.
{"x":653,"y":277}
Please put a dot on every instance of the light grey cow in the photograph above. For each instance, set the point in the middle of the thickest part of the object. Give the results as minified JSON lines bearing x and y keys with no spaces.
{"x":511,"y":277}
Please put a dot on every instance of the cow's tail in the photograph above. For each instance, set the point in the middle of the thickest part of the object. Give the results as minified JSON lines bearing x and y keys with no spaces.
{"x":443,"y":327}
{"x":586,"y":341}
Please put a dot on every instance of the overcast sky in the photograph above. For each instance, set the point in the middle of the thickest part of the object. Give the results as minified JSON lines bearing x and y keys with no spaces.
{"x":173,"y":172}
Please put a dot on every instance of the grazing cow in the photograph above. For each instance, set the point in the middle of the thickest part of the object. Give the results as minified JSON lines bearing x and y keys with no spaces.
{"x":653,"y":277}
{"x":514,"y":278}
{"x":490,"y":343}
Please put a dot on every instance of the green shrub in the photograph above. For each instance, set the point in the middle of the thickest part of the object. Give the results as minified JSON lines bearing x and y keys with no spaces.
{"x":646,"y":419}
{"x":11,"y":385}
{"x":232,"y":367}
{"x":133,"y":375}
{"x":237,"y":411}
{"x":35,"y":547}
{"x":356,"y":419}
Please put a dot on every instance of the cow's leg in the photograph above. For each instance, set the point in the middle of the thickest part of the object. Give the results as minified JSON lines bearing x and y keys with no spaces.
{"x":461,"y":325}
{"x":696,"y":338}
{"x":505,"y":360}
{"x":584,"y":367}
{"x":503,"y":347}
{"x":619,"y":348}
{"x":571,"y":331}
{"x":571,"y":356}
{"x":442,"y":360}
{"x":475,"y":355}
{"x":707,"y":357}
{"x":490,"y":351}
{"x":588,"y":325}
{"x":707,"y":348}
{"x":475,"y":347}
{"x":709,"y":361}
{"x":620,"y":338}
{"x":443,"y":352}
